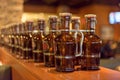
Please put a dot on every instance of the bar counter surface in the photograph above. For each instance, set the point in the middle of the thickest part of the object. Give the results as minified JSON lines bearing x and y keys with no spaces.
{"x":22,"y":70}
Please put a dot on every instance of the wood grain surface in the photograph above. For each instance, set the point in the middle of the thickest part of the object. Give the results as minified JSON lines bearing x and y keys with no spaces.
{"x":23,"y":70}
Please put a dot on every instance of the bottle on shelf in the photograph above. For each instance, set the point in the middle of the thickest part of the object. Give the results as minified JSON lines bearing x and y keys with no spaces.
{"x":2,"y":37}
{"x":49,"y":42}
{"x":65,"y":46}
{"x":9,"y":38}
{"x":27,"y":41}
{"x":17,"y":40}
{"x":6,"y":37}
{"x":21,"y":42}
{"x":78,"y":35}
{"x":91,"y":45}
{"x":12,"y":40}
{"x":37,"y":41}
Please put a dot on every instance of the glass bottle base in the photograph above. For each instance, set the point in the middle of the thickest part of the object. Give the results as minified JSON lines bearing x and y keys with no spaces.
{"x":65,"y":70}
{"x":90,"y":68}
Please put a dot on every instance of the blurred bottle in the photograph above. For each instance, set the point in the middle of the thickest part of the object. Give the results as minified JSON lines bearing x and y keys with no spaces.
{"x":27,"y":41}
{"x":9,"y":38}
{"x":77,"y":35}
{"x":2,"y":37}
{"x":21,"y":42}
{"x":91,"y":45}
{"x":49,"y":43}
{"x":37,"y":41}
{"x":13,"y":39}
{"x":65,"y":45}
{"x":16,"y":40}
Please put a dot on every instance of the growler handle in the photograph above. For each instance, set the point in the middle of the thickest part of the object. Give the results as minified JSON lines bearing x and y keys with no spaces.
{"x":81,"y":43}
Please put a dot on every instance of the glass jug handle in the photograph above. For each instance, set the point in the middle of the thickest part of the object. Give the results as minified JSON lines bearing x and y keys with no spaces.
{"x":81,"y":43}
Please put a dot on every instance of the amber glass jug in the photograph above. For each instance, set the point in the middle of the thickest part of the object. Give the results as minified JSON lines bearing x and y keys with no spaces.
{"x":37,"y":41}
{"x":27,"y":41}
{"x":91,"y":45}
{"x":65,"y":45}
{"x":49,"y":42}
{"x":78,"y":35}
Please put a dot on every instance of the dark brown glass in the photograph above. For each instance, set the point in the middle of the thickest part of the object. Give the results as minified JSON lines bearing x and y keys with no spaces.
{"x":9,"y":38}
{"x":37,"y":42}
{"x":2,"y":38}
{"x":27,"y":41}
{"x":21,"y":42}
{"x":13,"y":40}
{"x":91,"y":46}
{"x":6,"y":38}
{"x":16,"y":37}
{"x":19,"y":30}
{"x":65,"y":45}
{"x":49,"y":43}
{"x":77,"y":35}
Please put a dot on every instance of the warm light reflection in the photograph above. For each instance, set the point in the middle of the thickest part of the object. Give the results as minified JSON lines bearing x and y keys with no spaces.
{"x":32,"y":16}
{"x":23,"y":18}
{"x":1,"y":63}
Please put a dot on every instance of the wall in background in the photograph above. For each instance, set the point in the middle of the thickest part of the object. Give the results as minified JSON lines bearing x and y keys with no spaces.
{"x":10,"y":11}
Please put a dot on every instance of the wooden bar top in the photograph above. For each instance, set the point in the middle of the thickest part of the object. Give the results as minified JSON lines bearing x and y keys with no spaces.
{"x":22,"y":70}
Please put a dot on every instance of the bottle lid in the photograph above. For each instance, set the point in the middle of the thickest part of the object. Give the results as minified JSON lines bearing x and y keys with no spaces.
{"x":75,"y":19}
{"x":30,"y":22}
{"x":65,"y":14}
{"x":52,"y":16}
{"x":41,"y":23}
{"x":90,"y":15}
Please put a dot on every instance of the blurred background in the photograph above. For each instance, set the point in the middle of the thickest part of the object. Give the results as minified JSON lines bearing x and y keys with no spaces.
{"x":108,"y":13}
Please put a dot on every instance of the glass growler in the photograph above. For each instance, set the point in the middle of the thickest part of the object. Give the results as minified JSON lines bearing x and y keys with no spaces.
{"x":37,"y":41}
{"x":21,"y":42}
{"x":49,"y":43}
{"x":65,"y":46}
{"x":78,"y":39}
{"x":91,"y":45}
{"x":2,"y":37}
{"x":17,"y":40}
{"x":9,"y":38}
{"x":6,"y":38}
{"x":19,"y":34}
{"x":27,"y":41}
{"x":12,"y":40}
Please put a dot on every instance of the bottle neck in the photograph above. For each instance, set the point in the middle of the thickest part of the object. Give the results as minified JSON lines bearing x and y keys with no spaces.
{"x":41,"y":27}
{"x":75,"y":26}
{"x":53,"y":27}
{"x":28,"y":27}
{"x":91,"y":26}
{"x":65,"y":26}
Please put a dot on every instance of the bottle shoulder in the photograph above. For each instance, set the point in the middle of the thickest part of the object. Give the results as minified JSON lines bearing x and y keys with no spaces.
{"x":77,"y":35}
{"x":91,"y":37}
{"x":50,"y":36}
{"x":65,"y":38}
